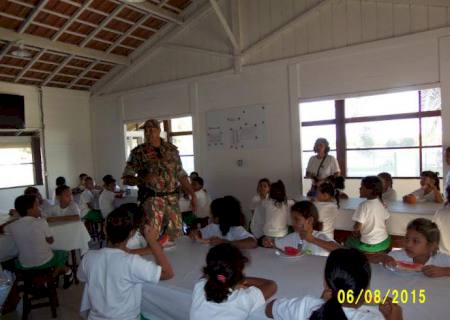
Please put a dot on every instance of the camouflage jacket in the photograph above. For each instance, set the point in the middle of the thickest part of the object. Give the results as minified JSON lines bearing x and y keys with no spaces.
{"x":160,"y":167}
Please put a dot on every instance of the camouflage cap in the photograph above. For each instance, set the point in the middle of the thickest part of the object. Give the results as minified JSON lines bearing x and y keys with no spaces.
{"x":152,"y":123}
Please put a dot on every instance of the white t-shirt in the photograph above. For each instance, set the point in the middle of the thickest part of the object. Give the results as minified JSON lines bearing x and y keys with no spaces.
{"x":328,"y":212}
{"x":302,"y":308}
{"x":271,"y":220}
{"x":114,"y":281}
{"x":256,"y":201}
{"x":106,"y":202}
{"x":329,"y":167}
{"x":422,"y":197}
{"x":45,"y":206}
{"x":294,"y":240}
{"x":390,"y":195}
{"x":137,"y":241}
{"x":57,"y":211}
{"x":442,"y":219}
{"x":235,"y":234}
{"x":29,"y":235}
{"x":86,"y":197}
{"x":439,"y":259}
{"x":203,"y":202}
{"x":238,"y":306}
{"x":372,"y":215}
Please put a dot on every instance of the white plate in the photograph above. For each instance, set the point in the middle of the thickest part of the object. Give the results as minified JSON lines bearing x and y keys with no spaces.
{"x":170,"y":246}
{"x":402,"y":272}
{"x":285,"y":256}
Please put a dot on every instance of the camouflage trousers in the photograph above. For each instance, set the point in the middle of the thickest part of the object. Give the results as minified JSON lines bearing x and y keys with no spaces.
{"x":164,"y":212}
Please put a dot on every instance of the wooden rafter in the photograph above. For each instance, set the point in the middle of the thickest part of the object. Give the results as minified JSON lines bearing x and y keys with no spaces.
{"x":32,"y":15}
{"x":29,"y":65}
{"x":157,"y":11}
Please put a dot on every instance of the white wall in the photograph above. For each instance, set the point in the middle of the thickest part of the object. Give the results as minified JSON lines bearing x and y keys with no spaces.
{"x":410,"y":61}
{"x":67,"y":133}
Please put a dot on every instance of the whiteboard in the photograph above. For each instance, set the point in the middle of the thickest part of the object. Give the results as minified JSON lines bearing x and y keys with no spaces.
{"x":236,"y":128}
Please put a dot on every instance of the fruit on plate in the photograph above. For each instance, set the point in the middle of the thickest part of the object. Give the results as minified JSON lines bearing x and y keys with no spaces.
{"x":291,"y":251}
{"x":410,"y":198}
{"x":409,"y":266}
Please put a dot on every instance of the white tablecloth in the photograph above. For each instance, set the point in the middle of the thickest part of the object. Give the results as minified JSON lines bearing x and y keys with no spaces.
{"x":67,"y":235}
{"x":401,"y":214}
{"x":295,"y":278}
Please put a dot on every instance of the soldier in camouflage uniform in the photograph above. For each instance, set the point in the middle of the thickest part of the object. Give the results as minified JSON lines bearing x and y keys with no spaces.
{"x":155,"y":166}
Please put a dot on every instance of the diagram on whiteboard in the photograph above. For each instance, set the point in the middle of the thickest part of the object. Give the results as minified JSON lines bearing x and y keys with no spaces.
{"x":236,"y":128}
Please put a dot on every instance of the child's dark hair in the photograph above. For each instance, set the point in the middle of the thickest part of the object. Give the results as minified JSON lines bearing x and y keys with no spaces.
{"x":345,"y":269}
{"x":194,"y":174}
{"x":60,"y":181}
{"x":374,"y":184}
{"x":386,"y":176}
{"x":31,"y":191}
{"x":338,"y":183}
{"x":59,"y":190}
{"x":82,"y":175}
{"x":427,"y":228}
{"x":119,"y":224}
{"x":261,"y":181}
{"x":328,"y":188}
{"x":307,"y":209}
{"x":88,"y":178}
{"x":137,"y":214}
{"x":228,"y":210}
{"x":199,"y":180}
{"x":432,"y":175}
{"x":278,"y":192}
{"x":224,"y":269}
{"x":24,"y":203}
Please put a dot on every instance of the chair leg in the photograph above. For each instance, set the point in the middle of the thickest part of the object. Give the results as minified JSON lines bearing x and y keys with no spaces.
{"x":53,"y":297}
{"x":25,"y":298}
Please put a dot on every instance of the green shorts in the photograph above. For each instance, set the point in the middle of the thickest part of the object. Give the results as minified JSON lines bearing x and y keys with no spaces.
{"x":352,"y":242}
{"x":59,"y":259}
{"x":93,"y":216}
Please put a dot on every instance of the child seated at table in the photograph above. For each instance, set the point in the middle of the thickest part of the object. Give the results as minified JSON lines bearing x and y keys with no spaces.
{"x":442,"y":219}
{"x":421,"y":247}
{"x":108,"y":195}
{"x":88,"y":202}
{"x":262,"y":193}
{"x":136,"y":243}
{"x":226,"y":225}
{"x":307,"y":235}
{"x":370,"y":218}
{"x":327,"y":203}
{"x":271,"y":218}
{"x":389,"y":194}
{"x":347,"y":271}
{"x":113,"y":277}
{"x":429,"y":189}
{"x":203,"y":201}
{"x":66,"y":209}
{"x":224,"y":292}
{"x":32,"y":236}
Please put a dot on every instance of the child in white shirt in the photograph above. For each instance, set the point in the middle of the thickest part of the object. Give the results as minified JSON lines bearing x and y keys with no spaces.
{"x":307,"y":235}
{"x":262,"y":193}
{"x":203,"y":201}
{"x":346,"y":270}
{"x":327,"y":207}
{"x":421,"y":247}
{"x":66,"y":209}
{"x":389,"y":194}
{"x":271,"y":218}
{"x":107,"y":196}
{"x":226,"y":226}
{"x":369,"y":230}
{"x":224,"y":292}
{"x":114,"y":277}
{"x":32,"y":236}
{"x":88,"y":202}
{"x":429,"y":189}
{"x":44,"y":204}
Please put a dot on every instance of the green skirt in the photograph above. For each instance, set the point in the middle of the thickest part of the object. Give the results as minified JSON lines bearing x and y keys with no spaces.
{"x":352,"y":242}
{"x":93,"y":216}
{"x":59,"y":260}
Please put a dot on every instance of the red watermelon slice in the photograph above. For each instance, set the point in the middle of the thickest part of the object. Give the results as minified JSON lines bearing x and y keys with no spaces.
{"x":409,"y":266}
{"x":291,"y":251}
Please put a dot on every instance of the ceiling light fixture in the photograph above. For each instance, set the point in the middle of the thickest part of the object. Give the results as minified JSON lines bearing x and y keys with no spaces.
{"x":21,"y":52}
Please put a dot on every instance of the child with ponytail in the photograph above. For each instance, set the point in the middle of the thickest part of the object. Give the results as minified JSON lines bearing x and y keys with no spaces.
{"x":369,"y":231}
{"x":345,"y":270}
{"x":225,"y":292}
{"x":327,"y":203}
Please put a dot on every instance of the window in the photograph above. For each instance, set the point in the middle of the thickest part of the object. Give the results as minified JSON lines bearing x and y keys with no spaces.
{"x":20,"y":160}
{"x":400,"y":133}
{"x":176,"y":130}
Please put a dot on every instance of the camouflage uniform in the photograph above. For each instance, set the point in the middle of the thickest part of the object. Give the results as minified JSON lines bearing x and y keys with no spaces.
{"x":163,"y":169}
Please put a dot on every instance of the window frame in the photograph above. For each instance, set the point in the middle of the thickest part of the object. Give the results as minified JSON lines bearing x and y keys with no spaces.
{"x":36,"y":156}
{"x":340,"y":124}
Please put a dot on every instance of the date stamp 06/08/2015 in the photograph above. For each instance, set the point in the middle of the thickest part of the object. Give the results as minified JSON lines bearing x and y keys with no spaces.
{"x":377,"y":296}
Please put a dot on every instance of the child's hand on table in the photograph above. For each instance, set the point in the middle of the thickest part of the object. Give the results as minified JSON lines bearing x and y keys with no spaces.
{"x":388,"y":261}
{"x":216,"y":240}
{"x":267,"y":242}
{"x":390,"y":311}
{"x":434,"y":271}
